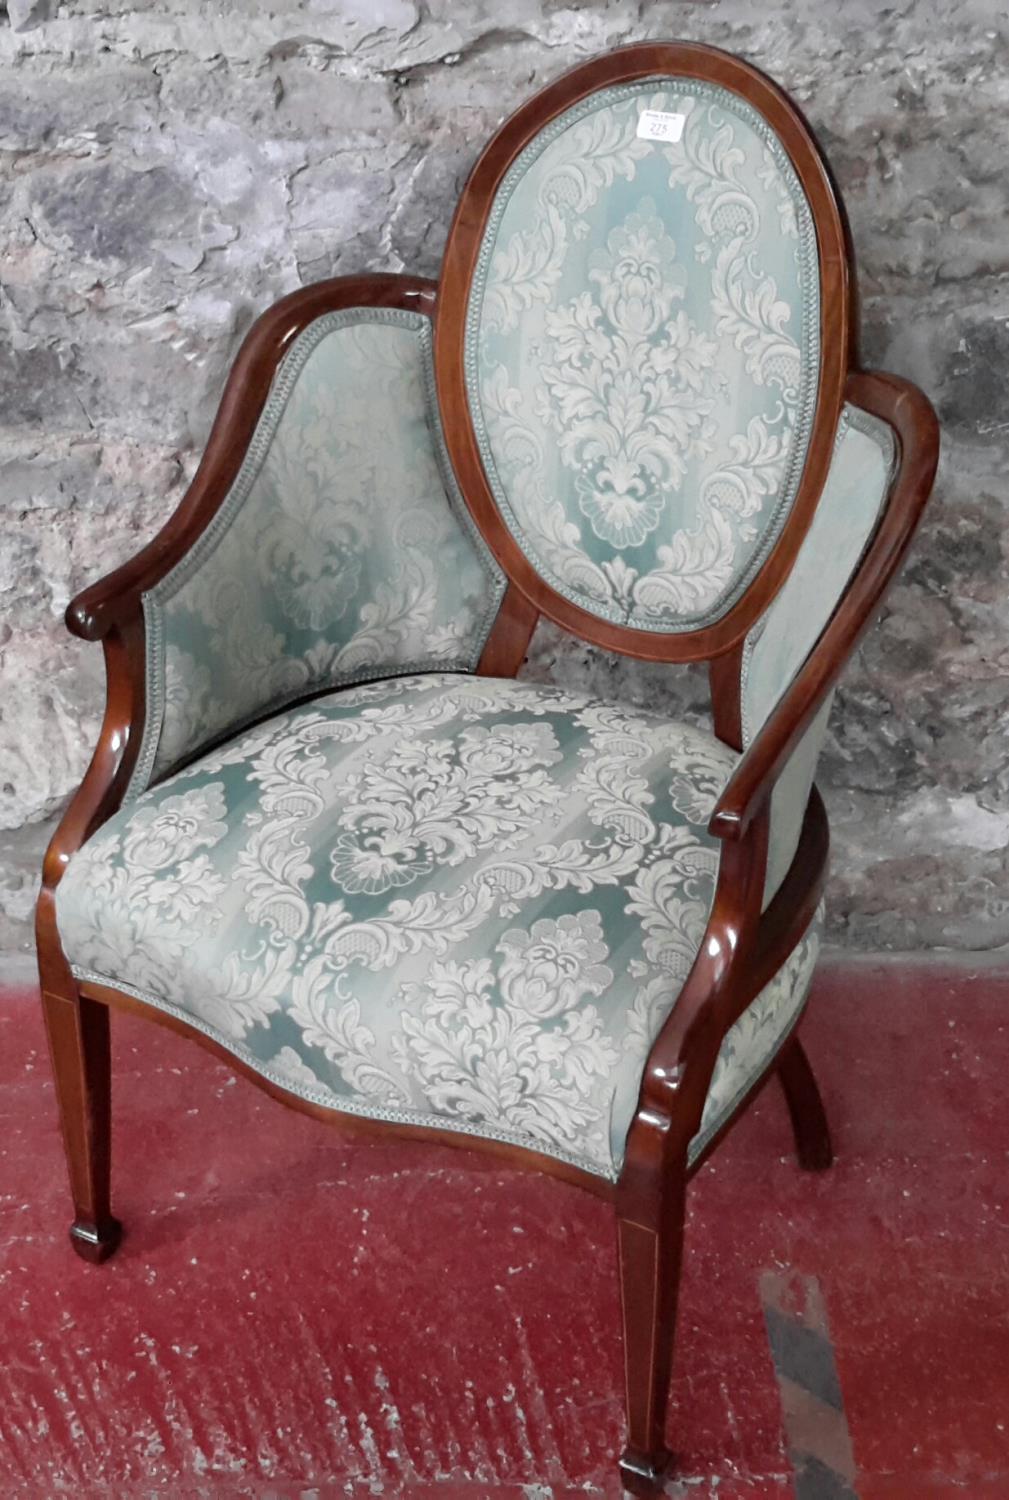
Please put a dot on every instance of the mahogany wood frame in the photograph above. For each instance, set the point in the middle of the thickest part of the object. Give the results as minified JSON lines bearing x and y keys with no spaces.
{"x":836,"y":275}
{"x":743,"y":946}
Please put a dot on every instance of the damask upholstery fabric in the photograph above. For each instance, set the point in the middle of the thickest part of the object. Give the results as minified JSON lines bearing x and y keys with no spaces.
{"x":642,"y":351}
{"x":450,"y":900}
{"x":342,"y":553}
{"x":854,"y":495}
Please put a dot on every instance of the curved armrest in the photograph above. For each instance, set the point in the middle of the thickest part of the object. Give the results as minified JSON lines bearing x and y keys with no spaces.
{"x":910,"y":414}
{"x":748,"y":937}
{"x":94,"y":611}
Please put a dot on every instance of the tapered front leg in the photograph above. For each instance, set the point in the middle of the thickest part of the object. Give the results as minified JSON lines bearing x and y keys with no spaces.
{"x":650,"y":1242}
{"x":78,"y":1031}
{"x":805,"y":1107}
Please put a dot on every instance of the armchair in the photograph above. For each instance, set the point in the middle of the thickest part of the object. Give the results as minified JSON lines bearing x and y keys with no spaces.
{"x":328,"y":832}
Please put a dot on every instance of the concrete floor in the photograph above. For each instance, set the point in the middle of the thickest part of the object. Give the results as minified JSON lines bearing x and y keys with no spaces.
{"x":295,"y":1316}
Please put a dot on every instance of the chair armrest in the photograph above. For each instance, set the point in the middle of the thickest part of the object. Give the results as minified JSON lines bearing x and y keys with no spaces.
{"x":910,"y":414}
{"x":96,"y":609}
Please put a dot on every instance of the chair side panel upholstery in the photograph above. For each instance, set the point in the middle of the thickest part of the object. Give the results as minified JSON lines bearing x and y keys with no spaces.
{"x":853,"y":499}
{"x":642,"y":351}
{"x":342,"y":553}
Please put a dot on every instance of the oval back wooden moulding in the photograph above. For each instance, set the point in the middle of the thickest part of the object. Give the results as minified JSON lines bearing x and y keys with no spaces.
{"x":627,"y":308}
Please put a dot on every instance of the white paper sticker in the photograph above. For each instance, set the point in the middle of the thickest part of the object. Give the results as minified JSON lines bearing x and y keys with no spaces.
{"x":656,"y":125}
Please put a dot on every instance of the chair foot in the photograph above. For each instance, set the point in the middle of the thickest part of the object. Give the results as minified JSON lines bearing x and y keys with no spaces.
{"x":78,"y":1030}
{"x":650,"y":1214}
{"x":805,"y":1107}
{"x":96,"y":1242}
{"x":642,"y":1474}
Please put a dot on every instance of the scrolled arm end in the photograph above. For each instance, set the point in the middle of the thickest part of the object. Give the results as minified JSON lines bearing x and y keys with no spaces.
{"x":88,"y":615}
{"x":734,"y":811}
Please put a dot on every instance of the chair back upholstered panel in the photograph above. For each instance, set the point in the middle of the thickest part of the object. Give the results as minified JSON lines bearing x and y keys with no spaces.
{"x":861,"y":472}
{"x":342,"y":553}
{"x":641,"y":351}
{"x":642,"y":346}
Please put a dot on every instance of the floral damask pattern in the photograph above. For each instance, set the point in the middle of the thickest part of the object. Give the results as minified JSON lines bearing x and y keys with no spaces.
{"x":458,"y":901}
{"x":628,"y":418}
{"x":642,"y":352}
{"x":342,"y":552}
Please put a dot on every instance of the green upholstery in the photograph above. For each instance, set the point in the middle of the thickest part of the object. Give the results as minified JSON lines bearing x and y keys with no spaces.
{"x":642,"y":350}
{"x":343,"y":551}
{"x":848,"y":512}
{"x":458,"y":901}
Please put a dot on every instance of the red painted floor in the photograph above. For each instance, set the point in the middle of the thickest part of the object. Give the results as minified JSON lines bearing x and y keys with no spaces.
{"x":295,"y":1316}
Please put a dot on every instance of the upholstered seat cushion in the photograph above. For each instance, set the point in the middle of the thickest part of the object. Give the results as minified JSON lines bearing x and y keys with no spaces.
{"x":456,"y":901}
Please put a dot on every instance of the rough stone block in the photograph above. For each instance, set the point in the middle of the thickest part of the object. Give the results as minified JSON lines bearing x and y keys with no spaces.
{"x":27,"y":14}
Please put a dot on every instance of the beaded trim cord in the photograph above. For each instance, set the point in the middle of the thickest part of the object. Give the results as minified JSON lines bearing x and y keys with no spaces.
{"x":431,"y":1120}
{"x":332,"y":1101}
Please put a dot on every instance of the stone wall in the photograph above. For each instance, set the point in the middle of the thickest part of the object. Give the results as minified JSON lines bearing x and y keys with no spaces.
{"x":170,"y":168}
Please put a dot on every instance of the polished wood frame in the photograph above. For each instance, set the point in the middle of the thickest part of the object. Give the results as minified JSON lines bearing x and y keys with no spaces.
{"x":744,"y":945}
{"x":465,"y":239}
